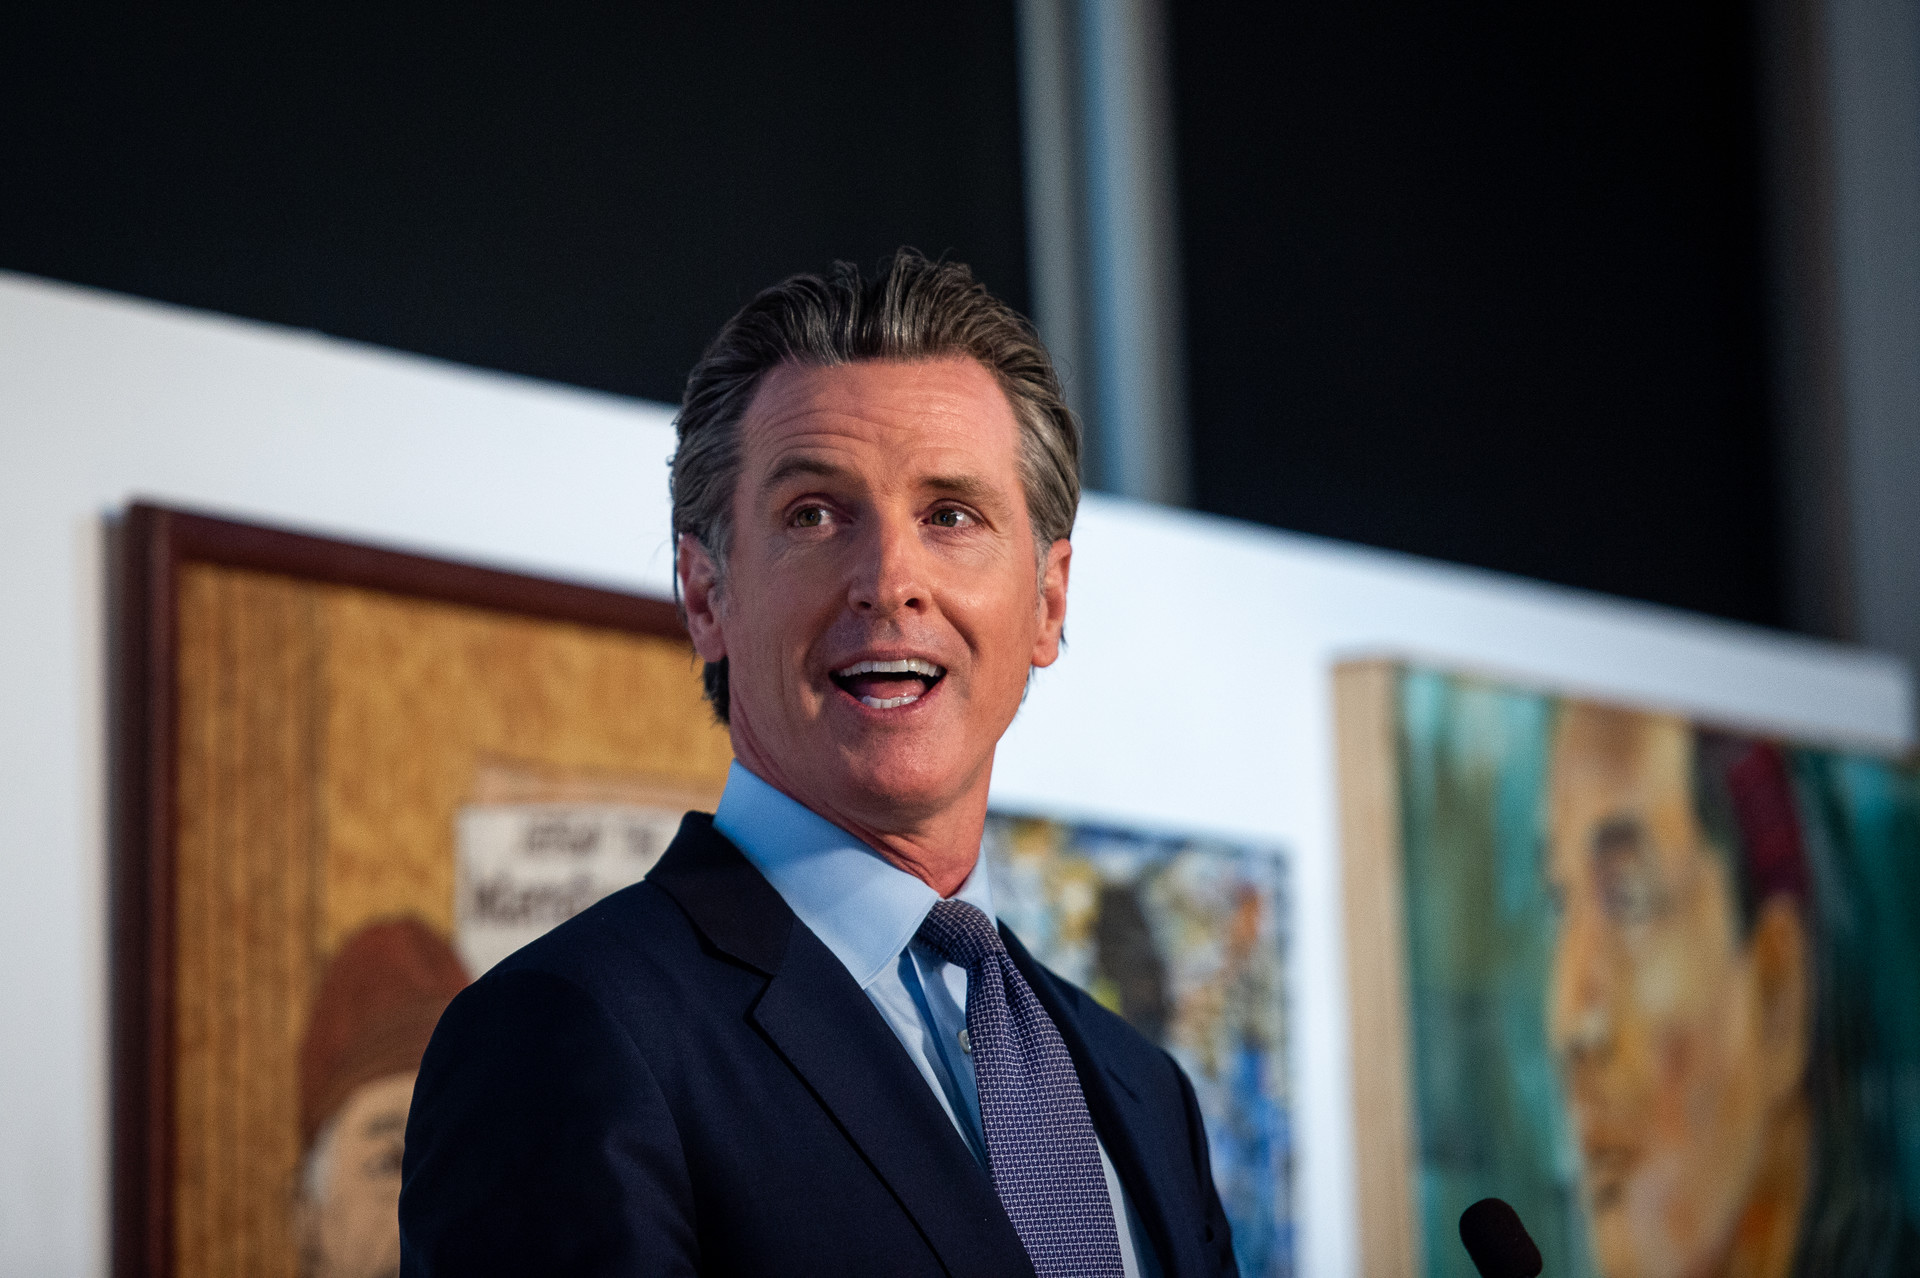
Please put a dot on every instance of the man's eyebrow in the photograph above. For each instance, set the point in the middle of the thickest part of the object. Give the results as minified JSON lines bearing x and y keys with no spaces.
{"x":384,"y":1124}
{"x":969,"y":486}
{"x":1618,"y":836}
{"x":798,"y":465}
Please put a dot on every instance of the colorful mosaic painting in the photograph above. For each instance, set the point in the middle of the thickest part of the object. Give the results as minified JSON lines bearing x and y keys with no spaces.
{"x":1187,"y":939}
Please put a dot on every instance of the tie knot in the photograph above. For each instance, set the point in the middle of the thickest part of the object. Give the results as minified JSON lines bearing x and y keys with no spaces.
{"x":959,"y":933}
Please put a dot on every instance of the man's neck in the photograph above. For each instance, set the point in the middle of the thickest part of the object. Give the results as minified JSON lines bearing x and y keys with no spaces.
{"x":940,"y":848}
{"x":942,"y":864}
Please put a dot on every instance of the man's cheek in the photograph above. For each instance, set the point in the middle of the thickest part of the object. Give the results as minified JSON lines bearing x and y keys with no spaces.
{"x":1679,"y":1077}
{"x":1667,"y":976}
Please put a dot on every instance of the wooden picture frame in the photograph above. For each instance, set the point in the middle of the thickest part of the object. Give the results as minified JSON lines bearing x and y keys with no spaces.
{"x":1366,"y":752}
{"x":159,"y":549}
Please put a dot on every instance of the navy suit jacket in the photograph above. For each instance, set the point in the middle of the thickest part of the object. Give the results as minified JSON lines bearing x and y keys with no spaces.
{"x":684,"y":1080}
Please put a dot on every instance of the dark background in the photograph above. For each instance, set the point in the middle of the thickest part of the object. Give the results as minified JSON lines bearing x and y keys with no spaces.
{"x":1484,"y":282}
{"x":575,"y":192}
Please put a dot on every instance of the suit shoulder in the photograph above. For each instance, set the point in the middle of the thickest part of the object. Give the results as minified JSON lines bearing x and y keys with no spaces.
{"x":631,"y":935}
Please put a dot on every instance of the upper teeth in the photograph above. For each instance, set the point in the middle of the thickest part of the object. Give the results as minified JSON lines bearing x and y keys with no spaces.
{"x":906,"y":665}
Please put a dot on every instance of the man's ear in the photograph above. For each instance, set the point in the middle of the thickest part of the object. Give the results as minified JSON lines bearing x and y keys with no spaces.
{"x":700,"y":596}
{"x":1053,"y":602}
{"x":1777,"y":951}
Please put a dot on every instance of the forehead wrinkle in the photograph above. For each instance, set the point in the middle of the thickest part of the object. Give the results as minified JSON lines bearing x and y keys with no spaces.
{"x":798,"y":397}
{"x":809,"y":463}
{"x":779,"y":403}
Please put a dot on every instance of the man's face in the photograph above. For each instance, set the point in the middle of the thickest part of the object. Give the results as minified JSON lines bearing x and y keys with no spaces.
{"x":350,"y":1220}
{"x":883,"y":603}
{"x":1667,"y":1031}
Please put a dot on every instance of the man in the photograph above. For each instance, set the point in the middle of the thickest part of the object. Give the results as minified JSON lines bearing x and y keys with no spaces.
{"x":1714,"y":1080}
{"x":801,"y":1045}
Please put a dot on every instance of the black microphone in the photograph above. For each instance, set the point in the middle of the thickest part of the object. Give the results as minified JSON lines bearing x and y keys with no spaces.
{"x":1497,"y":1241}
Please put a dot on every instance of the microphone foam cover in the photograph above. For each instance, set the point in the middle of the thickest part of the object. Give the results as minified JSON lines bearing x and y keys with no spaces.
{"x":1497,"y":1241}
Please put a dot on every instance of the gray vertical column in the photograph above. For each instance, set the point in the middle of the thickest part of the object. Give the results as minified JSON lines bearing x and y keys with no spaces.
{"x":1805,"y":355}
{"x":1874,"y":69}
{"x":1103,"y":238}
{"x":1843,"y":80}
{"x":1055,"y":188}
{"x":1133,"y":249}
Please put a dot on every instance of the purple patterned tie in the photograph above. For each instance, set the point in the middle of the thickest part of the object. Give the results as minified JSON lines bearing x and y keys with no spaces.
{"x":1040,"y":1143}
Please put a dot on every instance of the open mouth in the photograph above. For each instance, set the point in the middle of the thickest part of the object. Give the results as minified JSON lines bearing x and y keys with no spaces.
{"x":1608,"y":1169}
{"x":888,"y":685}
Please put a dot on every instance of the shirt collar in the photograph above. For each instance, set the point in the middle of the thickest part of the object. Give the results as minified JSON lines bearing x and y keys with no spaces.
{"x":862,"y":908}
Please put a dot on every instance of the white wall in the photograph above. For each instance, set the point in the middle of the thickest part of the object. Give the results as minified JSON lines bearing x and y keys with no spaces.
{"x":1193,"y":694}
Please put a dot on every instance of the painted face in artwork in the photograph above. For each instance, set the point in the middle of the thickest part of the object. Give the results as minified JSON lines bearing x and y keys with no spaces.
{"x":1680,"y":1032}
{"x":884,"y":600}
{"x":378,"y":1001}
{"x":349,"y":1209}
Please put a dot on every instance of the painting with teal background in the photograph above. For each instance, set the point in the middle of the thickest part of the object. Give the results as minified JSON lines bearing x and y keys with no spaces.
{"x":1664,"y":986}
{"x":1185,"y":938}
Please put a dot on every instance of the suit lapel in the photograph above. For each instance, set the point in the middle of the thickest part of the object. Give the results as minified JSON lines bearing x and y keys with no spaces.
{"x":833,"y":1037}
{"x":1119,"y":1110}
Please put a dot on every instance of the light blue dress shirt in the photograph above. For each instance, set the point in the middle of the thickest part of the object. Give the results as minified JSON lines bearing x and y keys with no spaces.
{"x":866,"y":911}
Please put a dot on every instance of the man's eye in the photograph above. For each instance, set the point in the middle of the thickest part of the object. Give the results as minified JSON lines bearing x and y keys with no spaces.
{"x":949,"y":518}
{"x":809,"y":517}
{"x":385,"y":1161}
{"x":1633,"y":897}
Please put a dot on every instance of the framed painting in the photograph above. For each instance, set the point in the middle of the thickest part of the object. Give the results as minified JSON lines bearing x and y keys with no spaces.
{"x":1650,"y":980}
{"x":1187,"y":939}
{"x":348,"y":781}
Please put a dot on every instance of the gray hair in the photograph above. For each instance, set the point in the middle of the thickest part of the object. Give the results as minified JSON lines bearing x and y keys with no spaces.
{"x":913,"y":309}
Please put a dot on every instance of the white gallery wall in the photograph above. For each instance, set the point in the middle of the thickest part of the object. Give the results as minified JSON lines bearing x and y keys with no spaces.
{"x":1193,"y":694}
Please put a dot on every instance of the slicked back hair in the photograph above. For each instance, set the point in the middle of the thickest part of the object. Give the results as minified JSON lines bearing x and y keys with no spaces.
{"x":913,"y":309}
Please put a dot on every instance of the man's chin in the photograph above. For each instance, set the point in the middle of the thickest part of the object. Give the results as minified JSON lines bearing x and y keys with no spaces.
{"x":910,"y":794}
{"x":888,"y":769}
{"x":895,"y":776}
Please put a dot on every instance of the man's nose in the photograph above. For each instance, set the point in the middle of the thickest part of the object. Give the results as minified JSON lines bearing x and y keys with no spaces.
{"x":890,"y":576}
{"x":1579,"y":1015}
